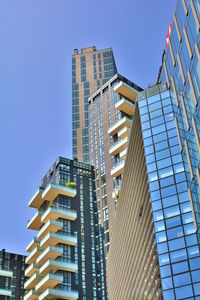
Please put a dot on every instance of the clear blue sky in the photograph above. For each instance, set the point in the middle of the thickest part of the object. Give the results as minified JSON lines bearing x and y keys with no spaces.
{"x":37,"y":38}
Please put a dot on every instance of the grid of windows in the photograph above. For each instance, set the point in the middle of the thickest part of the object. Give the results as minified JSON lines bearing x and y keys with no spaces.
{"x":176,"y":238}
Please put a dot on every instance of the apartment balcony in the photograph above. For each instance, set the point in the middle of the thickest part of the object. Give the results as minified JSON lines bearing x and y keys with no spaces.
{"x":34,"y":243}
{"x":117,"y":169}
{"x":32,"y":281}
{"x":49,"y":253}
{"x":31,"y":258}
{"x":56,"y":265}
{"x":125,"y":90}
{"x":33,"y":268}
{"x":118,"y":147}
{"x":6,"y":273}
{"x":54,"y":213}
{"x":125,"y":106}
{"x":123,"y":122}
{"x":59,"y":294}
{"x":52,"y":239}
{"x":35,"y":221}
{"x":122,"y":154}
{"x":6,"y":293}
{"x":50,"y":226}
{"x":124,"y":132}
{"x":36,"y":200}
{"x":50,"y":193}
{"x":49,"y":281}
{"x":31,"y":295}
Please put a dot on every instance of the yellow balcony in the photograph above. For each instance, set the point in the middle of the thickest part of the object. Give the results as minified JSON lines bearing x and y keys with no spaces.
{"x":49,"y":253}
{"x":124,"y":132}
{"x":56,"y":265}
{"x":36,"y":200}
{"x":31,"y":295}
{"x":50,"y":226}
{"x":54,"y":213}
{"x":32,"y":281}
{"x":52,"y":239}
{"x":125,"y":106}
{"x":33,"y":268}
{"x":31,"y":258}
{"x":35,"y":221}
{"x":49,"y":281}
{"x":59,"y":294}
{"x":118,"y":169}
{"x":118,"y":147}
{"x":34,"y":243}
{"x":125,"y":121}
{"x":125,"y":90}
{"x":122,"y":154}
{"x":50,"y":193}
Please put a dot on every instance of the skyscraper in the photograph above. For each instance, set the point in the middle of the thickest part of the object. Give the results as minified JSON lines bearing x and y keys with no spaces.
{"x":91,"y":68}
{"x":110,"y":110}
{"x":66,"y":257}
{"x":164,"y":259}
{"x":11,"y":275}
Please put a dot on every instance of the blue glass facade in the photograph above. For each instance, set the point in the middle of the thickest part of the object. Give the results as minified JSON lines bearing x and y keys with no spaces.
{"x":170,"y":155}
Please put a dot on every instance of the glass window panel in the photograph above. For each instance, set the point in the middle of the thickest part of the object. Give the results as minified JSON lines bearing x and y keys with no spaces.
{"x":151,"y":167}
{"x":163,"y":259}
{"x":145,"y":125}
{"x":153,"y":176}
{"x":173,"y":222}
{"x":183,"y":292}
{"x":156,"y":205}
{"x":158,"y":215}
{"x":191,"y":240}
{"x":165,"y":172}
{"x":176,"y":244}
{"x":165,"y":271}
{"x":162,"y":154}
{"x":155,"y":195}
{"x":168,"y":191}
{"x":159,"y":226}
{"x":167,"y":283}
{"x":161,"y":237}
{"x":189,"y":229}
{"x":195,"y":276}
{"x":153,"y":99}
{"x":161,"y":146}
{"x":180,"y":267}
{"x":182,"y":279}
{"x":167,"y":181}
{"x":170,"y":201}
{"x":162,"y":248}
{"x":164,"y":163}
{"x":197,"y":290}
{"x":156,"y":114}
{"x":157,"y":121}
{"x":175,"y":233}
{"x":168,"y":295}
{"x":155,"y":106}
{"x":193,"y":251}
{"x":195,"y":263}
{"x":187,"y":218}
{"x":185,"y":207}
{"x":183,"y":197}
{"x":160,"y":137}
{"x":178,"y":255}
{"x":172,"y":211}
{"x":158,"y":129}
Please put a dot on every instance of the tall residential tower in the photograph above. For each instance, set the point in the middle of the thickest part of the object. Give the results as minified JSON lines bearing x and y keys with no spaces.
{"x":91,"y":68}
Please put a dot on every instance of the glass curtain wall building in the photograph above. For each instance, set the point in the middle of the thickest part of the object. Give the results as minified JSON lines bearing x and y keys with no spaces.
{"x":173,"y":192}
{"x":11,"y":275}
{"x":66,"y":258}
{"x":104,"y":117}
{"x":91,"y":68}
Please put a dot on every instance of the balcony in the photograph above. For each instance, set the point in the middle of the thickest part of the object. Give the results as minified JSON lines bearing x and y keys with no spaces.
{"x":36,"y":200}
{"x":31,"y":258}
{"x":35,"y":221}
{"x":52,"y":239}
{"x":123,"y":154}
{"x":54,"y":213}
{"x":125,"y":90}
{"x":118,"y":147}
{"x":125,"y":121}
{"x":34,"y":243}
{"x":6,"y":293}
{"x":49,"y":281}
{"x":50,"y":226}
{"x":31,"y":295}
{"x":49,"y":253}
{"x":125,"y":106}
{"x":124,"y":132}
{"x":55,"y":265}
{"x":33,"y":268}
{"x":59,"y":294}
{"x":5,"y":273}
{"x":118,"y":169}
{"x":50,"y":193}
{"x":31,"y":282}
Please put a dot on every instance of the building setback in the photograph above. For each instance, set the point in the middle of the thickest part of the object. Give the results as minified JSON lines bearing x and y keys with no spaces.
{"x":106,"y":118}
{"x":11,"y":275}
{"x":91,"y":68}
{"x":66,"y":257}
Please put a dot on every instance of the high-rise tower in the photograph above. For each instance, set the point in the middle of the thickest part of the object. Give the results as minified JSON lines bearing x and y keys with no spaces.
{"x":91,"y":68}
{"x":66,"y":258}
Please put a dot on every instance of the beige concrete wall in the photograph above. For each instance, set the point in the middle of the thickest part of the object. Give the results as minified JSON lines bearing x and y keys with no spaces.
{"x":132,"y":265}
